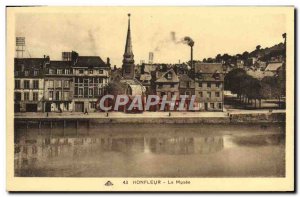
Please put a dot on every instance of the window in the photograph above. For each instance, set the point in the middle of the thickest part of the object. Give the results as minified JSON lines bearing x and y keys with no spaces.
{"x":35,"y":96}
{"x":212,"y":105}
{"x":220,"y":105}
{"x":169,"y":76}
{"x":91,"y":91}
{"x":100,"y":80}
{"x":36,"y":72}
{"x":26,"y":84}
{"x":51,"y":84}
{"x":201,"y":94}
{"x":127,"y":69}
{"x":217,"y":94}
{"x":208,"y":94}
{"x":208,"y":84}
{"x":35,"y":84}
{"x":187,"y":84}
{"x":200,"y":84}
{"x":66,"y":95}
{"x":80,"y":91}
{"x":162,"y":94}
{"x":50,"y":95}
{"x":92,"y":105}
{"x":218,"y":85}
{"x":100,"y":71}
{"x":187,"y":93}
{"x":100,"y":91}
{"x":51,"y":71}
{"x":17,"y":84}
{"x":26,"y":96}
{"x":160,"y":85}
{"x":58,"y":84}
{"x":26,"y":73}
{"x":16,"y":73}
{"x":80,"y":71}
{"x":66,"y":84}
{"x":57,"y":95}
{"x":67,"y":71}
{"x":17,"y":96}
{"x":172,"y":85}
{"x":90,"y":71}
{"x":59,"y":71}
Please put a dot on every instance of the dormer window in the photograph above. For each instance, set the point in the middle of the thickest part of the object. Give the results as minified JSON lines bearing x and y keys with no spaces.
{"x":90,"y":71}
{"x":35,"y":72}
{"x":67,"y":71}
{"x":216,"y":75}
{"x":100,"y":71}
{"x":26,"y":73}
{"x":80,"y":71}
{"x":169,"y":76}
{"x":51,"y":71}
{"x":59,"y":71}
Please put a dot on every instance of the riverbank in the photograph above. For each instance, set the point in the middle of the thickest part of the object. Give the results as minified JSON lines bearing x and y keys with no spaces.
{"x":241,"y":116}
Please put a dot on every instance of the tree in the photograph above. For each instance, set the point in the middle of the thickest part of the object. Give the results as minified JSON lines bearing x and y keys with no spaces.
{"x":233,"y":80}
{"x":271,"y":88}
{"x":258,"y":47}
{"x":219,"y":58}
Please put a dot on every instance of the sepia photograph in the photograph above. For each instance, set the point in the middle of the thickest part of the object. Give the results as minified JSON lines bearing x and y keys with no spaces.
{"x":150,"y":98}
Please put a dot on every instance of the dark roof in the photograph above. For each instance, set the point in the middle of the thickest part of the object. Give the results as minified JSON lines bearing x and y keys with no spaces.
{"x":90,"y":61}
{"x":60,"y":64}
{"x":163,"y":78}
{"x":208,"y":67}
{"x":30,"y":62}
{"x":29,"y":65}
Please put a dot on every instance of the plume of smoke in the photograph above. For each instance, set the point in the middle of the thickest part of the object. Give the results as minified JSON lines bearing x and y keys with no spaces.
{"x":186,"y":40}
{"x":92,"y":42}
{"x":173,"y":38}
{"x":189,"y":41}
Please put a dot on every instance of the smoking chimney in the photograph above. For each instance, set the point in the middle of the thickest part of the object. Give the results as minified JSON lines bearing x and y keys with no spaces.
{"x":189,"y":41}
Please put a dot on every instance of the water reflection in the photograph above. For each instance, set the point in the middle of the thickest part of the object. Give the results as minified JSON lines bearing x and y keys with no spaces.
{"x":43,"y":149}
{"x":28,"y":151}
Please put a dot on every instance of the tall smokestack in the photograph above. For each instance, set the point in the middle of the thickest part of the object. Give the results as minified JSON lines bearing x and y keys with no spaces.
{"x":189,"y":41}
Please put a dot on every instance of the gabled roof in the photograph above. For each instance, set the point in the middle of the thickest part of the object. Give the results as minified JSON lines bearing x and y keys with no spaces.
{"x":90,"y":61}
{"x":201,"y":67}
{"x":164,"y":79}
{"x":273,"y":66}
{"x":185,"y":77}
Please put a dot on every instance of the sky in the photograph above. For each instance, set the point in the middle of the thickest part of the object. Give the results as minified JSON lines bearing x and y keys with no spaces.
{"x":101,"y":31}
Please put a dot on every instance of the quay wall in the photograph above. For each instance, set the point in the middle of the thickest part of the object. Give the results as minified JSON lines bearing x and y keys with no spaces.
{"x":257,"y":118}
{"x":233,"y":118}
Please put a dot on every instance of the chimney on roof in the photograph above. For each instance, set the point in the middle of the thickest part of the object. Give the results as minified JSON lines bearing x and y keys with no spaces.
{"x":108,"y":61}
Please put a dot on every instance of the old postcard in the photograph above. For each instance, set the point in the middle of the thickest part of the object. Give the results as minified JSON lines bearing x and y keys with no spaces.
{"x":150,"y":98}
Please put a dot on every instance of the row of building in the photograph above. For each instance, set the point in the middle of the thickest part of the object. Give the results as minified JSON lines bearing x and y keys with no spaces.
{"x":72,"y":84}
{"x":76,"y":82}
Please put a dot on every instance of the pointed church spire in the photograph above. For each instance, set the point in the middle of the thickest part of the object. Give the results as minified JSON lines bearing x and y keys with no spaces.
{"x":128,"y":61}
{"x":128,"y":46}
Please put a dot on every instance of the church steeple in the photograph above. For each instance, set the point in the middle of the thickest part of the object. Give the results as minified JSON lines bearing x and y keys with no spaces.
{"x":128,"y":61}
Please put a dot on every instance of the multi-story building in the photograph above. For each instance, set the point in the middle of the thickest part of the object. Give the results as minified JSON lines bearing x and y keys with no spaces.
{"x":186,"y":85}
{"x":29,"y":84}
{"x":59,"y":86}
{"x":91,"y":76}
{"x":167,"y":84}
{"x":209,"y":86}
